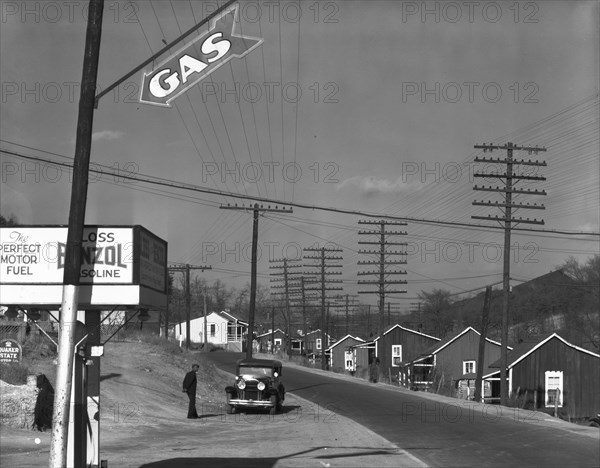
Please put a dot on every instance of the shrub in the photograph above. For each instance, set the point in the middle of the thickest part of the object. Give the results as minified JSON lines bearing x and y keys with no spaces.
{"x":441,"y":384}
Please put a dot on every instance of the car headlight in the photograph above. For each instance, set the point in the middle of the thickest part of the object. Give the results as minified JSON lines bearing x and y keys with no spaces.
{"x":261,"y":386}
{"x":241,"y":384}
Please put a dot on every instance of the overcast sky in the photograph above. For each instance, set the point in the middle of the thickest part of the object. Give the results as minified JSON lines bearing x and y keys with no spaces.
{"x":372,"y":106}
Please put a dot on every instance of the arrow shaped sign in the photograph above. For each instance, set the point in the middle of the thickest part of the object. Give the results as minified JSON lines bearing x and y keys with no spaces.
{"x":198,"y":59}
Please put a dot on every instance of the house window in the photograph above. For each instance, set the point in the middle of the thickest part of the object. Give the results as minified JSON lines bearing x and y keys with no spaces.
{"x":318,"y":343}
{"x":396,"y":355}
{"x":468,"y":367}
{"x":277,"y":341}
{"x":213,"y":329}
{"x":554,"y":388}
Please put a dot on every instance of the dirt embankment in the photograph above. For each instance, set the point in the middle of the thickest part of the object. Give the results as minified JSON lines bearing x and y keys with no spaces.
{"x":143,"y":423}
{"x":141,"y":384}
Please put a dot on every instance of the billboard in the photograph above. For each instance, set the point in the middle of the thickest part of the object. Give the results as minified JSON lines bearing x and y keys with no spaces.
{"x":152,"y":260}
{"x":111,"y":255}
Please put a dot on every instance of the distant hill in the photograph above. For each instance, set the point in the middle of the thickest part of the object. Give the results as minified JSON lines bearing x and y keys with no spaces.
{"x":548,"y":303}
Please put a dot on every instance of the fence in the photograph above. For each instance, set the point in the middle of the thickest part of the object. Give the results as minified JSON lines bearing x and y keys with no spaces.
{"x":13,"y":330}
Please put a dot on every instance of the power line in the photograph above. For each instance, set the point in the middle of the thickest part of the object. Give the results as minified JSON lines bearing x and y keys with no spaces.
{"x":195,"y":188}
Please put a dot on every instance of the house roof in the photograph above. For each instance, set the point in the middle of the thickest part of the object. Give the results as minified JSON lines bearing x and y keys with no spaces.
{"x":406,"y":329}
{"x":224,"y":315}
{"x":366,"y":344}
{"x":527,"y":347}
{"x":436,"y":348}
{"x":271,"y":332}
{"x":549,"y":279}
{"x":472,"y":375}
{"x":230,"y":317}
{"x":342,"y":340}
{"x":318,"y":330}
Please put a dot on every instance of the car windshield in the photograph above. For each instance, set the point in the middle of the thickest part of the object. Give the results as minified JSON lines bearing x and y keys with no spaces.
{"x":256,"y":371}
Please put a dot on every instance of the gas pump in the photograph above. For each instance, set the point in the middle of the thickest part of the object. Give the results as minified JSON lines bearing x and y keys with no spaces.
{"x":84,"y":424}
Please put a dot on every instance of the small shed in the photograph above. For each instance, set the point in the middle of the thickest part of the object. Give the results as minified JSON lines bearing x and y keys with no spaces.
{"x":550,"y":374}
{"x":342,"y":356}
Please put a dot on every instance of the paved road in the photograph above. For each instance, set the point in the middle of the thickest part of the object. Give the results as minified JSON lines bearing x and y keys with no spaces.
{"x":439,"y":433}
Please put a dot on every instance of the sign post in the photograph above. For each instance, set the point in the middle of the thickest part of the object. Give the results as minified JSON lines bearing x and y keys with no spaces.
{"x":70,"y":299}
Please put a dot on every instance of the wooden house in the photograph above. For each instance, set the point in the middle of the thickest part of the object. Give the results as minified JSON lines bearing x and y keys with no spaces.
{"x":364,"y":353}
{"x":454,"y":358}
{"x":313,"y":344}
{"x":400,"y":345}
{"x":550,"y":374}
{"x":266,"y":340}
{"x":342,"y":354}
{"x":222,"y":329}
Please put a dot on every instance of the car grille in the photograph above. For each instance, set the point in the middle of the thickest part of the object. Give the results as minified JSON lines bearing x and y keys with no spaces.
{"x":251,"y":394}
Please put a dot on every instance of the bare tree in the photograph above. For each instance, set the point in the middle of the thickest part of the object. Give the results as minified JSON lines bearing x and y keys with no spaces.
{"x":435,"y":308}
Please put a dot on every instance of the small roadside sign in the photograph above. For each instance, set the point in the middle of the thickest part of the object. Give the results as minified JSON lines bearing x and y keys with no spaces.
{"x":10,"y":351}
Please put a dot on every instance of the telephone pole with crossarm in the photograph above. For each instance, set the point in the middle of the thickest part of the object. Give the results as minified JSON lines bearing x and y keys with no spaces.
{"x":256,"y":210}
{"x":509,"y":179}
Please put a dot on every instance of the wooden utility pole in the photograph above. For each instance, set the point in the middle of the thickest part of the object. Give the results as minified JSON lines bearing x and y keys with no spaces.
{"x":509,"y":179}
{"x":273,"y":329}
{"x":205,"y":316}
{"x":256,"y":209}
{"x":351,"y":302}
{"x":188,"y":298}
{"x":303,"y":299}
{"x":481,"y":354}
{"x":70,"y":296}
{"x":323,"y":261}
{"x":382,"y":273}
{"x":285,"y":272}
{"x":345,"y":303}
{"x":297,"y":292}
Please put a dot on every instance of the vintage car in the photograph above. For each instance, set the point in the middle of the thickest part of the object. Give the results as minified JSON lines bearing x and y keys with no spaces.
{"x":257,"y":385}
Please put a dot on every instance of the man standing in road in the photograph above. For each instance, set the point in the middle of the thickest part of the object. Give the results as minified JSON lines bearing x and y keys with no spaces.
{"x":189,"y":387}
{"x":374,"y":370}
